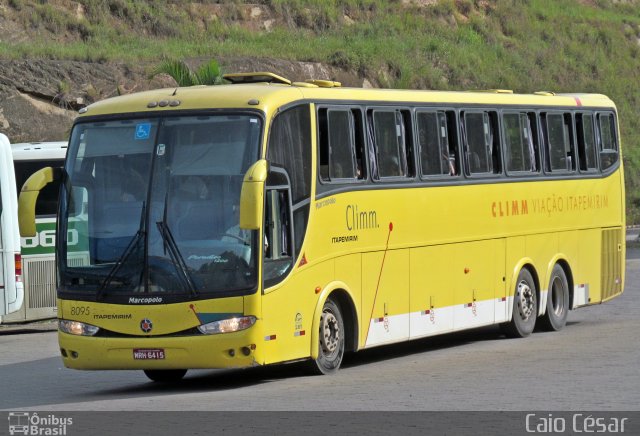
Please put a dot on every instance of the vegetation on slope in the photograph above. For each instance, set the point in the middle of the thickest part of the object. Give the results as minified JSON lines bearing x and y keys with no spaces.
{"x":526,"y":45}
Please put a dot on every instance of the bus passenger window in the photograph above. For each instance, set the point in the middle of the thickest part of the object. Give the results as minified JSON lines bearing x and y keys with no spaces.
{"x":341,"y":153}
{"x":586,"y":142}
{"x":47,"y":203}
{"x":560,"y":143}
{"x":519,"y":142}
{"x":358,"y":136}
{"x":341,"y":145}
{"x":433,"y":138}
{"x":608,"y":145}
{"x":390,"y":143}
{"x":481,"y":148}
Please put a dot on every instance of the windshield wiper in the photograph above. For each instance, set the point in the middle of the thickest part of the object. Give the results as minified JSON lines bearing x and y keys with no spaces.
{"x":125,"y":255}
{"x":174,"y":252}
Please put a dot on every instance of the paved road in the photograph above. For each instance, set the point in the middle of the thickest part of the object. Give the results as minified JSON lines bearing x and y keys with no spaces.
{"x":590,"y":365}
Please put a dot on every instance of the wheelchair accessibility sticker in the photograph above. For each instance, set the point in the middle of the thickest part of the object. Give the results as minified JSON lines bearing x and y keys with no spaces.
{"x":143,"y":131}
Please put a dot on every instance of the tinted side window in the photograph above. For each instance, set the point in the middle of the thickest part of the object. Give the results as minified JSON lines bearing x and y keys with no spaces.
{"x":608,"y":143}
{"x":436,"y":157}
{"x":520,"y":142}
{"x":290,"y":148}
{"x":341,"y":150}
{"x":482,"y":142}
{"x":390,"y":143}
{"x":586,"y":142}
{"x":341,"y":145}
{"x":559,"y":133}
{"x":47,"y":203}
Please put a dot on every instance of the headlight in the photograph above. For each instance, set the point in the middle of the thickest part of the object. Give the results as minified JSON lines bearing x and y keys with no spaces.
{"x":77,"y":328}
{"x":227,"y":325}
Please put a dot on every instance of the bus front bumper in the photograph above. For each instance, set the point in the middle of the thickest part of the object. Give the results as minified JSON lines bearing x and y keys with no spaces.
{"x":229,"y":350}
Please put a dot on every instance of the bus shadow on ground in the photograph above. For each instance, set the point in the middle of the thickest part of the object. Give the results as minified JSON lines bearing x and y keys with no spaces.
{"x":220,"y":380}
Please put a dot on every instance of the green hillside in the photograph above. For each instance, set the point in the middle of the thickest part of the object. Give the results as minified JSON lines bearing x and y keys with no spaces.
{"x":527,"y":45}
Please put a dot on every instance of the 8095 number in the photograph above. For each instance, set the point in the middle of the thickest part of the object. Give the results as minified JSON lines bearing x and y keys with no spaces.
{"x":80,"y":310}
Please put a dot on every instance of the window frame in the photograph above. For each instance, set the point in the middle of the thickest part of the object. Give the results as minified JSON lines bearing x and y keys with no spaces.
{"x":580,"y":133}
{"x":356,"y":125}
{"x":615,"y":137}
{"x":547,"y":144}
{"x":534,"y":132}
{"x":453,"y":143}
{"x":492,"y":139}
{"x":371,"y":126}
{"x":269,"y":233}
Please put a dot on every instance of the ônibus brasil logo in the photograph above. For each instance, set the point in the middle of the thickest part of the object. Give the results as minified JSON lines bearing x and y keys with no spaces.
{"x":26,"y":423}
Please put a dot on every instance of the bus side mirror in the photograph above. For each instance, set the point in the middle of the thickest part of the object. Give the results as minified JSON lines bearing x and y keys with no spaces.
{"x":252,"y":196}
{"x":29,"y":196}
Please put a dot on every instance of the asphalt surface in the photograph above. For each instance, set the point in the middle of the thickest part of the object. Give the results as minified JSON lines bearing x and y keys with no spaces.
{"x":592,"y":364}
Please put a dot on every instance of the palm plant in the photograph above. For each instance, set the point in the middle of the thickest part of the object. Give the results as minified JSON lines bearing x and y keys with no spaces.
{"x":208,"y":73}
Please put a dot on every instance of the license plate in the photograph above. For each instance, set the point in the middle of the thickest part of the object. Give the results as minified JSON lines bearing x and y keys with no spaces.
{"x":148,"y":354}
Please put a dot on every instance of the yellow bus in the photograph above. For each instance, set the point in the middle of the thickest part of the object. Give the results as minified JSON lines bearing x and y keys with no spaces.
{"x":266,"y":221}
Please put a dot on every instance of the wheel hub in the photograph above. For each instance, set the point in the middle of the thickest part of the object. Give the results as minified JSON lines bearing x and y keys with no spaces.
{"x":526,"y":300}
{"x":330,"y":333}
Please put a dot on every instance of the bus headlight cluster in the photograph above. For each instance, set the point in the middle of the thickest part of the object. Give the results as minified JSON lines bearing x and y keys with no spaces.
{"x":77,"y":328}
{"x":227,"y":325}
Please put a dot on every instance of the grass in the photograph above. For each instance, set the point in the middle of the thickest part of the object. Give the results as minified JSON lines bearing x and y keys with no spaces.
{"x":530,"y":45}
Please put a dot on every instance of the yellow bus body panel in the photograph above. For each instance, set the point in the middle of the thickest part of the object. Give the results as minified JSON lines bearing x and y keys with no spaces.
{"x":413,"y":261}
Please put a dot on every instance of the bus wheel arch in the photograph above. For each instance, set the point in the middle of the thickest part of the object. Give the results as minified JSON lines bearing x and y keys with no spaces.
{"x":567,"y":271}
{"x":348,"y":309}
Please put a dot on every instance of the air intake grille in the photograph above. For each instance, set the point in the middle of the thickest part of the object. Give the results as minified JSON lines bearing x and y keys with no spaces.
{"x":611,"y":276}
{"x":40,"y":283}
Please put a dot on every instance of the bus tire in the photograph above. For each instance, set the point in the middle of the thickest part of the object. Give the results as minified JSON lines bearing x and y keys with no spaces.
{"x":165,"y":375}
{"x":557,"y":301}
{"x":331,"y":340}
{"x":525,"y":307}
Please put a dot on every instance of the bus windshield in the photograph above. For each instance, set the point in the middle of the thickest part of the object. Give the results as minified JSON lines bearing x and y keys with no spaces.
{"x":151,"y":206}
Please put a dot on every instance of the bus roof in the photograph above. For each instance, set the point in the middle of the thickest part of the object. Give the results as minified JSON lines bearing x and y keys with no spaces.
{"x":270,"y":96}
{"x":39,"y":150}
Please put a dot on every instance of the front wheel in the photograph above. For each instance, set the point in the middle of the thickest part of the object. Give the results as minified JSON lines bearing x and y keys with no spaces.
{"x":557,"y":301}
{"x":165,"y":375}
{"x":525,"y":307}
{"x":331,"y":340}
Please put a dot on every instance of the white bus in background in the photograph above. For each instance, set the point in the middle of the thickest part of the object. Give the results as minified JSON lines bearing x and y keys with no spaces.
{"x":11,"y":287}
{"x":38,"y":258}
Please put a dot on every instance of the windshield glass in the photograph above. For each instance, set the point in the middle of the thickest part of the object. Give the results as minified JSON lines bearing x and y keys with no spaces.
{"x":152,"y":206}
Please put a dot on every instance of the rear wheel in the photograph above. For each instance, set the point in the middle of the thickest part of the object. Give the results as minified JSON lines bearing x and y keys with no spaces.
{"x":165,"y":375}
{"x":557,"y":300}
{"x":331,"y":340}
{"x":525,"y":307}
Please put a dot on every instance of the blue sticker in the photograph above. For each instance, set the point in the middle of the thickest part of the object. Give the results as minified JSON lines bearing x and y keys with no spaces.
{"x":143,"y":131}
